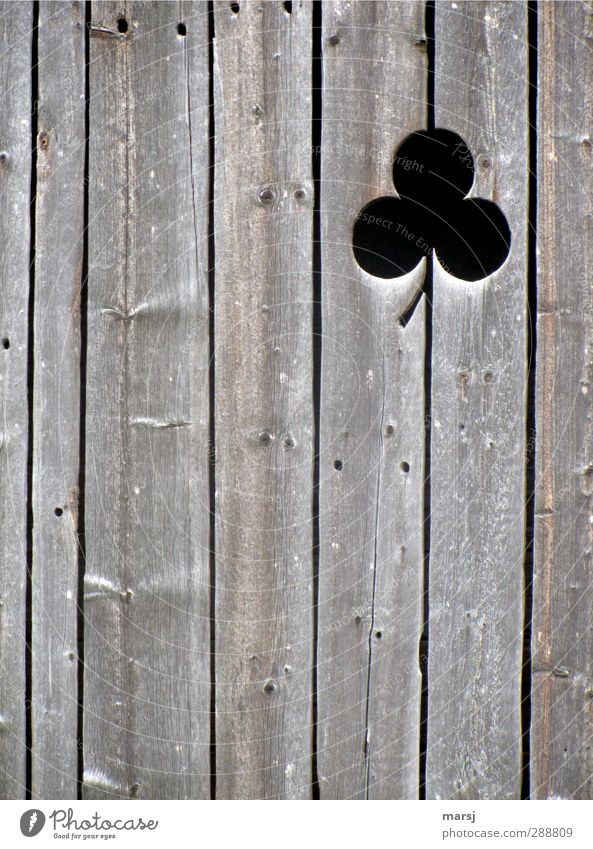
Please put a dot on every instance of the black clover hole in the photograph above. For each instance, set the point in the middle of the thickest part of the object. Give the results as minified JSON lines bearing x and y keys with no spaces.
{"x":433,"y":172}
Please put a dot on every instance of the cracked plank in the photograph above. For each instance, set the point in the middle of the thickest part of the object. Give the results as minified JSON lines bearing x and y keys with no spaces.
{"x":372,"y":409}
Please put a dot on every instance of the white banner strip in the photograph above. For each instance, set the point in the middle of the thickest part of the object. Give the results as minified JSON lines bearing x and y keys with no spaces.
{"x":298,"y":824}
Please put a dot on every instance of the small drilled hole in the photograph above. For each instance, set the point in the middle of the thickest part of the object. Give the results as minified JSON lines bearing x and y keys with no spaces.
{"x":265,"y":437}
{"x":58,"y":512}
{"x":235,"y":8}
{"x":181,"y":29}
{"x":267,"y":196}
{"x":405,"y":467}
{"x":378,"y":634}
{"x":122,"y":25}
{"x":390,"y":430}
{"x":288,"y":6}
{"x":6,"y":344}
{"x":338,"y":465}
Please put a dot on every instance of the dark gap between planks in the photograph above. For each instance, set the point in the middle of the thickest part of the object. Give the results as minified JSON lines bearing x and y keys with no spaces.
{"x":423,"y":648}
{"x":82,"y":407}
{"x":532,"y":22}
{"x":212,"y":398}
{"x":30,"y":390}
{"x":317,"y":84}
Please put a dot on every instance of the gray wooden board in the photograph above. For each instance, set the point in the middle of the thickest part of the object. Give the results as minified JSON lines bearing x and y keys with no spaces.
{"x":372,"y":409}
{"x":16,"y":21}
{"x":146,"y":680}
{"x":478,"y":425}
{"x":562,"y":681}
{"x":59,"y":222}
{"x":264,"y":417}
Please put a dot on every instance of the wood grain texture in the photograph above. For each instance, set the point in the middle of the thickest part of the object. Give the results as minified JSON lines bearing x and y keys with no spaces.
{"x":59,"y":221}
{"x":372,"y":408}
{"x":478,"y":425}
{"x":146,"y":682}
{"x":562,"y":681}
{"x":16,"y":22}
{"x":264,"y":414}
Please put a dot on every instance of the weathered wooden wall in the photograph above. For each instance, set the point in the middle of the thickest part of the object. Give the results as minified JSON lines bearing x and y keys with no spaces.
{"x":245,"y":485}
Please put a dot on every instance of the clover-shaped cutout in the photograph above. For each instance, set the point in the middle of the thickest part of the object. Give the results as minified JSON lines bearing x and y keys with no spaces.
{"x":433,"y":172}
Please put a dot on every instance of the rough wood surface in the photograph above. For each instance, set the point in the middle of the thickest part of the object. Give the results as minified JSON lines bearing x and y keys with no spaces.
{"x":16,"y":21}
{"x":264,"y":414}
{"x":146,"y":681}
{"x":372,"y":408}
{"x":59,"y":223}
{"x":562,"y":682}
{"x":478,"y":425}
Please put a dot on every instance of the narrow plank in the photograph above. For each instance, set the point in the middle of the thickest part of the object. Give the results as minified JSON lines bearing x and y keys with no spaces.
{"x":562,"y":683}
{"x":264,"y":422}
{"x":372,"y":408}
{"x":146,"y":681}
{"x":16,"y":22}
{"x":58,"y":264}
{"x":478,"y":424}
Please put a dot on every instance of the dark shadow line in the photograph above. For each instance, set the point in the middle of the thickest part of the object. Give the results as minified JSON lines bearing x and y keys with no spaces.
{"x":82,"y":414}
{"x":316,"y":142}
{"x":30,"y":401}
{"x":423,"y":647}
{"x":212,"y":398}
{"x":531,"y":424}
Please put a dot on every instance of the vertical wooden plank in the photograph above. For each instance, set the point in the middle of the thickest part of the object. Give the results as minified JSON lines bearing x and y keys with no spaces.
{"x":372,"y":408}
{"x":58,"y":265}
{"x":478,"y":424}
{"x":264,"y":426}
{"x":146,"y":683}
{"x":16,"y":23}
{"x":562,"y":682}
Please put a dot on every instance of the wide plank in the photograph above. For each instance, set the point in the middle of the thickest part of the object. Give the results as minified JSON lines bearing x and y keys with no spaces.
{"x":562,"y":681}
{"x":371,"y":462}
{"x":146,"y":596}
{"x":59,"y":223}
{"x":16,"y":26}
{"x":264,"y":404}
{"x":478,"y":423}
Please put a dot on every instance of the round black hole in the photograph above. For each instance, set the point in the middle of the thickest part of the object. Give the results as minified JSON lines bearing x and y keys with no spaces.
{"x":405,"y":467}
{"x":122,"y":25}
{"x":235,"y":8}
{"x":433,"y":166}
{"x":58,"y":512}
{"x":288,"y":6}
{"x":181,"y":29}
{"x":384,"y":240}
{"x":475,"y":241}
{"x":378,"y":634}
{"x":6,"y":343}
{"x":338,"y":465}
